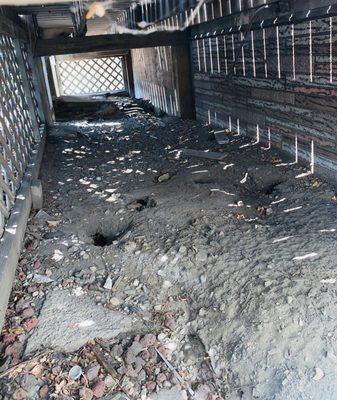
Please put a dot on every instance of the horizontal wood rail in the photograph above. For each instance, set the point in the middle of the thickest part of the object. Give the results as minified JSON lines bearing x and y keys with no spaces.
{"x":123,"y":41}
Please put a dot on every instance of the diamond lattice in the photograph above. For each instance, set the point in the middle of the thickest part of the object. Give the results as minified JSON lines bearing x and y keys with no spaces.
{"x":95,"y":75}
{"x":16,"y":131}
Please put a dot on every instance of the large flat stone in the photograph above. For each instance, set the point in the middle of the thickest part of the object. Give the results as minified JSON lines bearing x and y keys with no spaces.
{"x":67,"y":322}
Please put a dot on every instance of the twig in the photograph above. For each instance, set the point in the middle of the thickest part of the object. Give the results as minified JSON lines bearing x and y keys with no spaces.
{"x":105,"y":364}
{"x":176,"y":374}
{"x":22,"y":364}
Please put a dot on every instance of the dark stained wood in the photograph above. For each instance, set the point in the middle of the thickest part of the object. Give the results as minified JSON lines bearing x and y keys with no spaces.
{"x":300,"y":102}
{"x":183,"y":78}
{"x":8,"y":27}
{"x":128,"y":74}
{"x":124,"y":41}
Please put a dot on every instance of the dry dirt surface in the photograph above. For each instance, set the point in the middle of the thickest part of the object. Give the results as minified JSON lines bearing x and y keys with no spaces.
{"x":151,"y":273}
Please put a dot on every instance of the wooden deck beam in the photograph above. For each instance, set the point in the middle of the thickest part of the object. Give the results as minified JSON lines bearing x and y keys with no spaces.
{"x":124,"y":41}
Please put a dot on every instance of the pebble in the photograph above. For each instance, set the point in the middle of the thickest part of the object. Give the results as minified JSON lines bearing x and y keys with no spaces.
{"x":108,"y":283}
{"x":92,"y":372}
{"x":150,"y":386}
{"x":86,"y":394}
{"x":99,"y":389}
{"x":19,"y":394}
{"x":31,"y":323}
{"x":27,"y":313}
{"x":110,"y":382}
{"x":114,"y":302}
{"x":43,"y":392}
{"x":75,"y":372}
{"x":167,"y":284}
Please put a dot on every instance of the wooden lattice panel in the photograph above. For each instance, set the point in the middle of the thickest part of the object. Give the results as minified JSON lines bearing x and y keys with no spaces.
{"x":96,"y":75}
{"x":30,"y":76}
{"x":16,"y":132}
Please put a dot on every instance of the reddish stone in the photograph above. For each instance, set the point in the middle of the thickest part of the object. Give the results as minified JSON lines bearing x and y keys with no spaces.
{"x":31,"y":323}
{"x":86,"y":394}
{"x":19,"y":394}
{"x":31,"y":244}
{"x":148,"y":340}
{"x":98,"y":389}
{"x":8,"y":338}
{"x":14,"y":350}
{"x":43,"y":392}
{"x":150,"y":386}
{"x":161,"y":378}
{"x":22,"y":276}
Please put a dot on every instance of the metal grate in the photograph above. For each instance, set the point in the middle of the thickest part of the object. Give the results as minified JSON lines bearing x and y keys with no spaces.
{"x":16,"y":129}
{"x":94,"y":75}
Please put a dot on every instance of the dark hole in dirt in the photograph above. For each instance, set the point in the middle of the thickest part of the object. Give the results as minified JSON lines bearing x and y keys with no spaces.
{"x":102,"y":240}
{"x":140,"y":204}
{"x":270,"y":189}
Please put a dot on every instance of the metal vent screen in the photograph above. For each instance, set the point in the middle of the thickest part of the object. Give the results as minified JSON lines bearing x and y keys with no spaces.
{"x":94,"y":75}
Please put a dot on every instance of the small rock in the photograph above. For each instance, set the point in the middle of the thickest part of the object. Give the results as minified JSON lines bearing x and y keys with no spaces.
{"x":114,"y":302}
{"x":164,"y":177}
{"x":148,"y":340}
{"x":86,"y":394}
{"x":150,"y":386}
{"x":8,"y":338}
{"x":92,"y":372}
{"x":31,"y":323}
{"x":43,"y":392}
{"x":37,"y":278}
{"x":167,"y":284}
{"x":170,"y":323}
{"x":319,"y":374}
{"x":108,"y":283}
{"x":99,"y":389}
{"x":161,"y":377}
{"x":202,"y":393}
{"x":75,"y":372}
{"x":110,"y":382}
{"x":19,"y":394}
{"x":130,"y":246}
{"x":27,"y":313}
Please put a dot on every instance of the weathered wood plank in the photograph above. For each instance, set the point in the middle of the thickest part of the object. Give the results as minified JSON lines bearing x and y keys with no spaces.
{"x":124,"y":41}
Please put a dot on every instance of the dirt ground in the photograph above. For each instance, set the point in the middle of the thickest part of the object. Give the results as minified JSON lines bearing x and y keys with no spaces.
{"x":150,"y":274}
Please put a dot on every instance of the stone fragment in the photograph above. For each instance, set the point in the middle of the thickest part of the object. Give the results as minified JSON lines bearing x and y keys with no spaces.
{"x":99,"y":389}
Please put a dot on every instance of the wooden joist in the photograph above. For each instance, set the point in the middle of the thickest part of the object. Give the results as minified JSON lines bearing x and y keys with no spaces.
{"x":8,"y":27}
{"x":124,"y":41}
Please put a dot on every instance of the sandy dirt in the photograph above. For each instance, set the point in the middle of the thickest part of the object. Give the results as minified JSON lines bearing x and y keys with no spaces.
{"x":231,"y":264}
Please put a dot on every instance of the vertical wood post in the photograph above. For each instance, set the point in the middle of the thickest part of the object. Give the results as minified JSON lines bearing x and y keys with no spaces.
{"x":128,"y":74}
{"x":47,"y":103}
{"x":183,"y":80}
